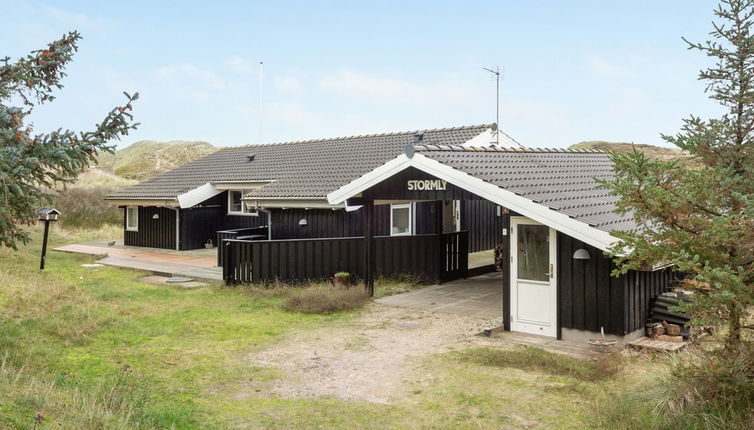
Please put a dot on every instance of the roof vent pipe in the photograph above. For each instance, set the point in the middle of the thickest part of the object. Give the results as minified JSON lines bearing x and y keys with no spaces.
{"x":418,"y":137}
{"x":250,"y":158}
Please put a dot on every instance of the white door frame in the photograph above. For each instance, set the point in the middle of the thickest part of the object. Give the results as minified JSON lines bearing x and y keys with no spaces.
{"x":520,"y":324}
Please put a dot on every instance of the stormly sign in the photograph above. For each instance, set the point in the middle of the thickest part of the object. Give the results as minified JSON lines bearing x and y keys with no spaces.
{"x":427,"y":185}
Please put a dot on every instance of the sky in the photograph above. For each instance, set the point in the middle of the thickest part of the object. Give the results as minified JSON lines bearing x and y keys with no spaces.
{"x":572,"y":70}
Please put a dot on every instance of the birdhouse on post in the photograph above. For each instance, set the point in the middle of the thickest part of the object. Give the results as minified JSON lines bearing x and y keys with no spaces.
{"x":47,"y":215}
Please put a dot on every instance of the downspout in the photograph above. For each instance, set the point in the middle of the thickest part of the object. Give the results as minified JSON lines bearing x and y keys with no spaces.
{"x":177,"y":225}
{"x":269,"y":218}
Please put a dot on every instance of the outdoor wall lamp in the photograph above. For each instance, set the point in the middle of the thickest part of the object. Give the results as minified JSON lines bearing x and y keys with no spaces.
{"x":303,"y":222}
{"x":156,"y":216}
{"x":47,"y":215}
{"x":581,"y":254}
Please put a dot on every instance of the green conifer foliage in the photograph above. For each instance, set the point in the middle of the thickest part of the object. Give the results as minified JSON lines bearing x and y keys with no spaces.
{"x":32,"y":164}
{"x":701,"y":217}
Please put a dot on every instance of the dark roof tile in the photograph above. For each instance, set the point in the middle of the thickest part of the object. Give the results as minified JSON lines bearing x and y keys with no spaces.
{"x":304,"y":169}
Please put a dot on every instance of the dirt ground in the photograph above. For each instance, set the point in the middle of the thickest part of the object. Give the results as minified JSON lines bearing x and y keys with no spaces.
{"x":371,"y":359}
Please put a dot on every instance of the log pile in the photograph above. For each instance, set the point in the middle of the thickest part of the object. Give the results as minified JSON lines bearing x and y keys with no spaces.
{"x":665,"y":324}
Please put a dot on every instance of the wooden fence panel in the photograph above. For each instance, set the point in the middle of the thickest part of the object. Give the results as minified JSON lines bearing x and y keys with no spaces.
{"x":431,"y":257}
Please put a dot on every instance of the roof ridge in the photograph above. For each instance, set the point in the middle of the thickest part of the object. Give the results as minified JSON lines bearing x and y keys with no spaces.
{"x":361,"y":136}
{"x":460,"y":148}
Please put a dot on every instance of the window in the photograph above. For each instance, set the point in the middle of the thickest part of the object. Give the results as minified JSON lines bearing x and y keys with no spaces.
{"x":132,"y":218}
{"x":400,"y":220}
{"x":237,"y":206}
{"x":533,"y":252}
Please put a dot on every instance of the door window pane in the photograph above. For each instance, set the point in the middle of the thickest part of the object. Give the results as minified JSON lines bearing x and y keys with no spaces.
{"x":400,"y":220}
{"x":533,"y":252}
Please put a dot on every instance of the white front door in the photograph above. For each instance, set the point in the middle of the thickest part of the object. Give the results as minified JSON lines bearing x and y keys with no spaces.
{"x":533,"y":282}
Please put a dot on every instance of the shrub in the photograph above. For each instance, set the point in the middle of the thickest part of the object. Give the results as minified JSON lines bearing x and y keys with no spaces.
{"x":529,"y":358}
{"x":325,"y":299}
{"x":396,"y":284}
{"x":86,"y":207}
{"x":700,"y":391}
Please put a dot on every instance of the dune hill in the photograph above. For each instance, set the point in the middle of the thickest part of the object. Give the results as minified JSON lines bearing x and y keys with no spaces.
{"x":147,"y":158}
{"x":651,"y":151}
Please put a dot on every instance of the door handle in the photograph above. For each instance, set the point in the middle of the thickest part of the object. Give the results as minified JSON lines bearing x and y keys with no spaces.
{"x":551,"y":272}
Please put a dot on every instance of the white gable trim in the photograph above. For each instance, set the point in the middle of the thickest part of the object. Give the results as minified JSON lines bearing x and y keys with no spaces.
{"x":197,"y":195}
{"x":561,"y":222}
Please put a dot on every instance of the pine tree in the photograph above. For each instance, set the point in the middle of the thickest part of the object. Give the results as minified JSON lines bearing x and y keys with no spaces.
{"x":32,"y":164}
{"x":701,"y":216}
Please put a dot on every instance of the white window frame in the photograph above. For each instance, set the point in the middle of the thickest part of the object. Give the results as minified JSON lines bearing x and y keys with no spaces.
{"x":410,"y":208}
{"x":128,"y":218}
{"x":244,"y":209}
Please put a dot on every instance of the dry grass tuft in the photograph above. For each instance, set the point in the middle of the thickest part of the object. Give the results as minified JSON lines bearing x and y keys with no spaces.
{"x":325,"y":299}
{"x":529,"y":358}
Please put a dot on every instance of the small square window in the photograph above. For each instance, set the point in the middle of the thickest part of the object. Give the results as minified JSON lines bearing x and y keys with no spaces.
{"x":132,"y":218}
{"x":235,"y":204}
{"x":400,"y":220}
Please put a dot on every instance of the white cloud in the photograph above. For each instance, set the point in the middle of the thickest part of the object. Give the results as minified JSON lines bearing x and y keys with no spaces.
{"x":288,"y":84}
{"x":364,"y":86}
{"x":192,"y":73}
{"x":361,"y":85}
{"x":240,"y":65}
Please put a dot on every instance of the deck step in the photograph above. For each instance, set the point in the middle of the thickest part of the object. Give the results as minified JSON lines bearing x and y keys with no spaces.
{"x":657,"y":345}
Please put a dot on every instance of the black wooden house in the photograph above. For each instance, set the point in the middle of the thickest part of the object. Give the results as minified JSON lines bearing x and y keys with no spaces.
{"x":415,"y":202}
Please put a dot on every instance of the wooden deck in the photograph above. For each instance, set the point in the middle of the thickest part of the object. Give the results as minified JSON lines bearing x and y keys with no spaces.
{"x":657,"y":345}
{"x":199,"y":264}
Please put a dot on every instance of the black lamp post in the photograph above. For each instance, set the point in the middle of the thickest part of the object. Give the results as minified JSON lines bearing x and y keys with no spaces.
{"x":47,"y":215}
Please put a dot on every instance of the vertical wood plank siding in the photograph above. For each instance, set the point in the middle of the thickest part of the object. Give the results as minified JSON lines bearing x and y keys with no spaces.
{"x":327,"y":223}
{"x":431,"y":257}
{"x":485,"y":227}
{"x":152,"y":233}
{"x":200,"y":224}
{"x":589,"y":298}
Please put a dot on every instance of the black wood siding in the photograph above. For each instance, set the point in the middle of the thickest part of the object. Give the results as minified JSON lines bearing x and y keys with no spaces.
{"x":200,"y":224}
{"x":430,"y":257}
{"x":485,"y":227}
{"x":589,"y":298}
{"x":326,"y":223}
{"x":153,"y":233}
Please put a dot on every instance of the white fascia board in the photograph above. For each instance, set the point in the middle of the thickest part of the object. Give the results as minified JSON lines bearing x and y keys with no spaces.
{"x":197,"y":195}
{"x":143,"y":202}
{"x":291,"y":204}
{"x":483,"y":140}
{"x":370,"y":179}
{"x":488,"y":139}
{"x":561,"y":222}
{"x":228,"y":185}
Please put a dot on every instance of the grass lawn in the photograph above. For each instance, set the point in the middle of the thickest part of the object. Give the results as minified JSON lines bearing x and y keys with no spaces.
{"x":98,"y":348}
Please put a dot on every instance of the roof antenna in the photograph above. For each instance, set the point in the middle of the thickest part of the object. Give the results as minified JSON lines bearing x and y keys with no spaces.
{"x":497,"y":73}
{"x":261,"y":66}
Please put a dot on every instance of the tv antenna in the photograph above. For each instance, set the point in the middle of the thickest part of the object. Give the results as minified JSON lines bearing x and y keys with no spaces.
{"x":261,"y":66}
{"x":498,"y":75}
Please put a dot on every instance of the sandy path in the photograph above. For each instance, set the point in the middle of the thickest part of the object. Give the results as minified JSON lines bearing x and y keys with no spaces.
{"x":367,"y":360}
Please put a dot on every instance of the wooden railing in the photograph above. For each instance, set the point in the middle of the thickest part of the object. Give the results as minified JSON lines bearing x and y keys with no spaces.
{"x":233,"y":234}
{"x":438,"y":257}
{"x":455,"y":256}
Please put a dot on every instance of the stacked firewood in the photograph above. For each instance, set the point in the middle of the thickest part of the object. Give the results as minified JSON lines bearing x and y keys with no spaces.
{"x":664,"y":331}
